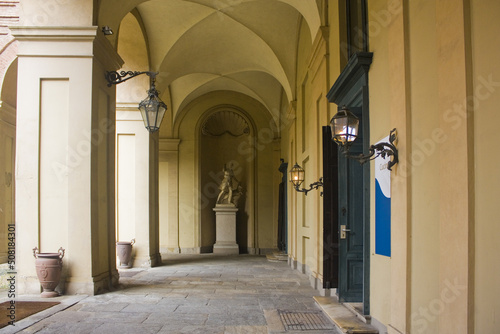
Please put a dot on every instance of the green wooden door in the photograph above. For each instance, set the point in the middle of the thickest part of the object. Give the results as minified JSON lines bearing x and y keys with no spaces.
{"x":351,"y":223}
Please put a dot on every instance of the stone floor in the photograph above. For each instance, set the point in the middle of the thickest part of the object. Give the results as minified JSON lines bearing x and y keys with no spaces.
{"x":191,"y":294}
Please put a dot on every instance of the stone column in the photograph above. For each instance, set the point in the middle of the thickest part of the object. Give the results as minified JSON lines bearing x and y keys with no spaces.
{"x":65,"y":147}
{"x":137,"y":186}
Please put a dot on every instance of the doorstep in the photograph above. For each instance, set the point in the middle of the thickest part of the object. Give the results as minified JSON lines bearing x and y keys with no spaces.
{"x":277,"y":257}
{"x":345,"y":320}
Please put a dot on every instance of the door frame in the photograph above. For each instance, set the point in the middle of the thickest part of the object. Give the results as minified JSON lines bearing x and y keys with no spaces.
{"x":351,"y":89}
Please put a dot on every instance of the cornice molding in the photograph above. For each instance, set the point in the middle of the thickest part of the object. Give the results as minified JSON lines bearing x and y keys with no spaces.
{"x":358,"y":65}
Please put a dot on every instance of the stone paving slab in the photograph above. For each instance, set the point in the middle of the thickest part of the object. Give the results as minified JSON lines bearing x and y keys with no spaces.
{"x":191,"y":294}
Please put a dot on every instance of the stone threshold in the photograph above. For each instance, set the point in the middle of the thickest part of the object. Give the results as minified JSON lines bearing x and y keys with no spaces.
{"x":277,"y":257}
{"x":343,"y":317}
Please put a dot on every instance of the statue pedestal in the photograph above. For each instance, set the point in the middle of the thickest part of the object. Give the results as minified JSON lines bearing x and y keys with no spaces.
{"x":225,"y":230}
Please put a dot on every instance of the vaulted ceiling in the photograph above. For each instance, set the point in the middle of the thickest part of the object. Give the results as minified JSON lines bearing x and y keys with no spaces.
{"x":199,"y":46}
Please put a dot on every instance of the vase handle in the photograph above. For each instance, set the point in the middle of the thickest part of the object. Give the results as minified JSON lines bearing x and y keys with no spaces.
{"x":35,"y":252}
{"x":132,"y":241}
{"x":61,"y":252}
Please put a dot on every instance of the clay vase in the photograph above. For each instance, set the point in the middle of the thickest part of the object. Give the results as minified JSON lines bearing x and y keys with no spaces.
{"x":48,"y":269}
{"x":124,"y":252}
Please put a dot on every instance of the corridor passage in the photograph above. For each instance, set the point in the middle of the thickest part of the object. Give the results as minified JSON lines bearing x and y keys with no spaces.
{"x":194,"y":294}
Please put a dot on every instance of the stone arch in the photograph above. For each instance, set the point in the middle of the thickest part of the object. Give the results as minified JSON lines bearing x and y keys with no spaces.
{"x":7,"y":148}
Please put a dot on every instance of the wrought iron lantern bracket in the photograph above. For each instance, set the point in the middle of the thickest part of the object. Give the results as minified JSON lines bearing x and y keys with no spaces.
{"x":152,"y":108}
{"x":383,"y":150}
{"x":115,"y":78}
{"x":312,"y":186}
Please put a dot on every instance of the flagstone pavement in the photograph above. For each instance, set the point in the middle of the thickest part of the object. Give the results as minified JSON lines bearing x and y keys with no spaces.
{"x":203,"y":294}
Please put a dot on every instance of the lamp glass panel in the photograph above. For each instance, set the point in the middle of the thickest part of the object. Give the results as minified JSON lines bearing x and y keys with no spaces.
{"x":344,"y":127}
{"x":143,"y":110}
{"x":152,"y":112}
{"x":297,"y":175}
{"x":159,"y":116}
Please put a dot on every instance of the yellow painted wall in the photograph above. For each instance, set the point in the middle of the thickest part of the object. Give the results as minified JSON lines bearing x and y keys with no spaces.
{"x":303,"y":143}
{"x":7,"y":155}
{"x":486,"y":95}
{"x":426,"y":137}
{"x":57,"y":13}
{"x":403,"y":94}
{"x":444,"y":54}
{"x":379,"y":90}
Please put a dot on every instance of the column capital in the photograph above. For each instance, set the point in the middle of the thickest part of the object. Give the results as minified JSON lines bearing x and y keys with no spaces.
{"x":81,"y":42}
{"x":169,"y":144}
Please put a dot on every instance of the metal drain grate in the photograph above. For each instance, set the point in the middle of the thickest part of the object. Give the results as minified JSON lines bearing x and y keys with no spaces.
{"x":304,"y":320}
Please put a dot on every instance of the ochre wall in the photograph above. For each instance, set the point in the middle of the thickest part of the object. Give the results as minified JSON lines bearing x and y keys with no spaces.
{"x":486,"y":98}
{"x":380,"y":271}
{"x":433,"y":78}
{"x":302,"y":142}
{"x":424,"y":162}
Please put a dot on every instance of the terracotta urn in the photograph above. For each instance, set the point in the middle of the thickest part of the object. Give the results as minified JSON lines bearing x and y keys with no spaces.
{"x":124,"y":252}
{"x":48,"y":269}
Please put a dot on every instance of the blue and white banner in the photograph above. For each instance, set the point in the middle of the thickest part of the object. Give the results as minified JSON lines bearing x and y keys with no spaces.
{"x":382,"y":205}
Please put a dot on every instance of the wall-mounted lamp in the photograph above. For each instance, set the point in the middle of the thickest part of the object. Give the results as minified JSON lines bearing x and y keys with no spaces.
{"x":297,"y":176}
{"x":345,"y":130}
{"x":152,"y":108}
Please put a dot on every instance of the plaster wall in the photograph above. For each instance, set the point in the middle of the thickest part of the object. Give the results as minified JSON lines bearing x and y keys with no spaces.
{"x":56,"y":13}
{"x":380,"y":266}
{"x":426,"y":97}
{"x":486,"y":98}
{"x":134,"y":51}
{"x":303,"y":144}
{"x":413,"y":105}
{"x":7,"y":155}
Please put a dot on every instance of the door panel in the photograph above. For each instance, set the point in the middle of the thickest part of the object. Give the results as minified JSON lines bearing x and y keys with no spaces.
{"x":330,"y":211}
{"x":351,"y":215}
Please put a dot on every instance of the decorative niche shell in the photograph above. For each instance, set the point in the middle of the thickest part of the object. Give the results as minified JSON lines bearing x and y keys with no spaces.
{"x":223,"y":122}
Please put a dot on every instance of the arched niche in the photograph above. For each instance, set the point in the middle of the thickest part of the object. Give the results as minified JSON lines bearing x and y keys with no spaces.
{"x":261,"y":151}
{"x":226,"y":134}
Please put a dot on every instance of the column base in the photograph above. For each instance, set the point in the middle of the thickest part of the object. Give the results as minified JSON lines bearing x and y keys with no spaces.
{"x":30,"y":285}
{"x":230,"y":249}
{"x":146,"y":261}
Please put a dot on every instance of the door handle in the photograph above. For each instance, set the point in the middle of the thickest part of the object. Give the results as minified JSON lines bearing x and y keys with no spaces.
{"x":343,"y":231}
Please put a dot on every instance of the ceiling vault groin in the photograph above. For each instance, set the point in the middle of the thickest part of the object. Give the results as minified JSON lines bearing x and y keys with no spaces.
{"x":201,"y":46}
